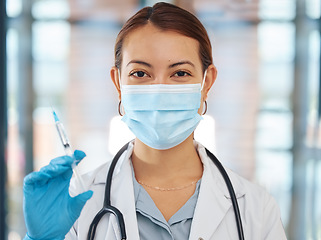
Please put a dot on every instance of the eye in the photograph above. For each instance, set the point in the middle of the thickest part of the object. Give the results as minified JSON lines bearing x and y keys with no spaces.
{"x":138,"y":74}
{"x":181,"y":74}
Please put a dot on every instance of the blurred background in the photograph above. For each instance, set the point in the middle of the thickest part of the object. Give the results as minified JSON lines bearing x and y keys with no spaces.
{"x":263,"y":112}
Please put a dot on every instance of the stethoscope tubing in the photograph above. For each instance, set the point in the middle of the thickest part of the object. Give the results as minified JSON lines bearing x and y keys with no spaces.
{"x":107,"y":208}
{"x":231,"y":191}
{"x":110,"y":174}
{"x":100,"y":214}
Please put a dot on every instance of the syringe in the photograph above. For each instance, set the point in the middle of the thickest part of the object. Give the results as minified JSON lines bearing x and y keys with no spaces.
{"x":67,"y":147}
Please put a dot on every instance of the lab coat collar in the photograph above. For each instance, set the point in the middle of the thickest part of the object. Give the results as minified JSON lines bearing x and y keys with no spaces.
{"x":214,"y":199}
{"x":238,"y":185}
{"x":212,"y":205}
{"x":100,"y":176}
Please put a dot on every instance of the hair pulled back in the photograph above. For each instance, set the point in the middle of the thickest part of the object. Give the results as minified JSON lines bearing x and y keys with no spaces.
{"x":167,"y":17}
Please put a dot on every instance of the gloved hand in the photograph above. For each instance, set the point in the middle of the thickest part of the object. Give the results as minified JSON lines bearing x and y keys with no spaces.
{"x":48,"y":208}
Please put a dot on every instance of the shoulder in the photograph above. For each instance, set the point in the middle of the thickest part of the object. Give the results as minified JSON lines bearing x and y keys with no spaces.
{"x":241,"y":186}
{"x":259,"y":206}
{"x":254,"y":197}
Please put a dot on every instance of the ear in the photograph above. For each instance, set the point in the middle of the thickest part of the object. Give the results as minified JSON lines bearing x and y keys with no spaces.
{"x":114,"y":74}
{"x":210,"y":78}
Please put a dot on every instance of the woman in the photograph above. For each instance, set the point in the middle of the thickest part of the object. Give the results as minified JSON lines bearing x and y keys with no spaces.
{"x":164,"y":183}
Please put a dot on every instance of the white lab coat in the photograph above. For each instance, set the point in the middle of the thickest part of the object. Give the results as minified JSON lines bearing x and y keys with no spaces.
{"x":213,"y":217}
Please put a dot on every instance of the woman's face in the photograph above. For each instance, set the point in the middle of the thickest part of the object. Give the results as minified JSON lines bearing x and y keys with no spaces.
{"x":153,"y":56}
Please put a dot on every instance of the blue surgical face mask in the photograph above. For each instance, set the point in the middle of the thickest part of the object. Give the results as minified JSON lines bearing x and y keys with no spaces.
{"x":161,"y":116}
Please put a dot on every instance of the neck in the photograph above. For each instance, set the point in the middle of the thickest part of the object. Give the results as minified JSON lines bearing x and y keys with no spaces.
{"x":176,"y":165}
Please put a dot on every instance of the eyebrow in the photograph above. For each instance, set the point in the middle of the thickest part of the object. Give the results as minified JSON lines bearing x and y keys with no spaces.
{"x":140,"y":62}
{"x":181,"y":63}
{"x":170,"y":66}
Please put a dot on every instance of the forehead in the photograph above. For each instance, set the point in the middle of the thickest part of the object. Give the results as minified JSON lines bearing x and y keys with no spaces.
{"x":151,"y":43}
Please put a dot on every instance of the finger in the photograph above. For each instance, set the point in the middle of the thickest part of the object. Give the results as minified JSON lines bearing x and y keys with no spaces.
{"x":63,"y":165}
{"x":58,"y":166}
{"x":79,"y":155}
{"x":35,"y":178}
{"x":77,"y":203}
{"x":63,"y":160}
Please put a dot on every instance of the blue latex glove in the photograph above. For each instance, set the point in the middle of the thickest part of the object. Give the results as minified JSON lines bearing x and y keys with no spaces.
{"x":48,"y":208}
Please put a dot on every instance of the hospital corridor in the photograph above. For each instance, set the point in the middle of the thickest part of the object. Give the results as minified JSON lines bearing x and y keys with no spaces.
{"x":263,"y":111}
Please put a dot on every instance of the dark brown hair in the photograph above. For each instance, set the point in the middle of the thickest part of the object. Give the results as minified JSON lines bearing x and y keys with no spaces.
{"x":167,"y":17}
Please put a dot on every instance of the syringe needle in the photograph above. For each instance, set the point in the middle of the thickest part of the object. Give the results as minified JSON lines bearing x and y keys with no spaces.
{"x":68,"y":150}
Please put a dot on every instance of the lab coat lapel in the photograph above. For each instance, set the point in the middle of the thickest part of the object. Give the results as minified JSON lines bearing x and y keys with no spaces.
{"x":122,"y":194}
{"x":212,"y":205}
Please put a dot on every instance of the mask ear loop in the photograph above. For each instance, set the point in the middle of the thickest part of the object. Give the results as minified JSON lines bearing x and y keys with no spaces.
{"x":203,"y":79}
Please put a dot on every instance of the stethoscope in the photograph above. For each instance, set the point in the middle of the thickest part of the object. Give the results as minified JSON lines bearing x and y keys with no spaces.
{"x":109,"y":209}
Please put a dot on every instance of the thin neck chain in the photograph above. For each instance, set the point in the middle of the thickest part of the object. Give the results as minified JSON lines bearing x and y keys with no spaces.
{"x":167,"y":189}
